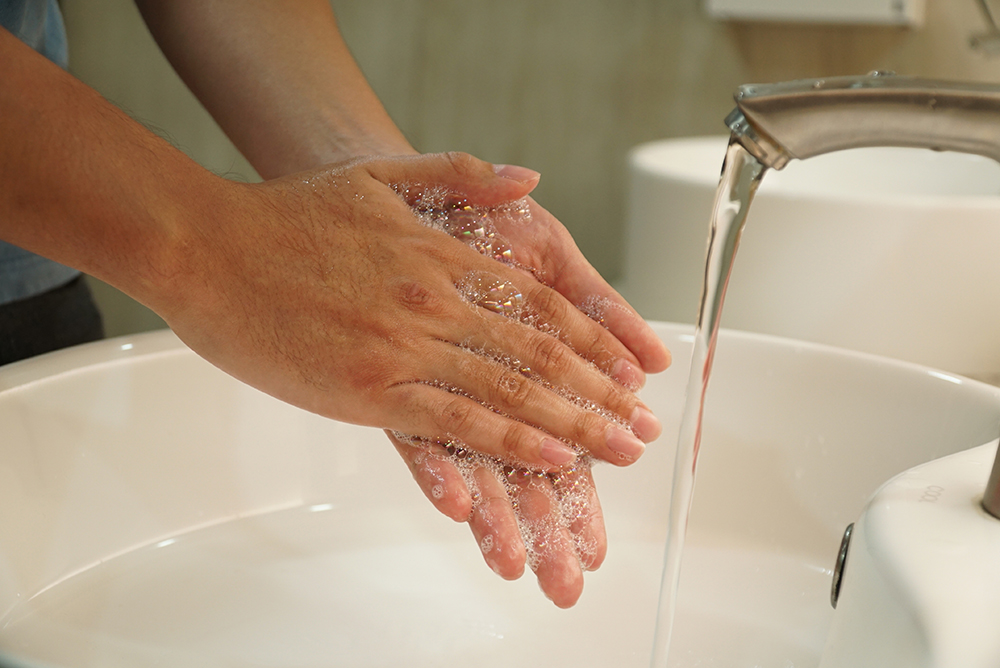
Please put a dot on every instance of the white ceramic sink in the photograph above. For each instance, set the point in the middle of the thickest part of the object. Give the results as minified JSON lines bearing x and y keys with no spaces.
{"x":888,"y":251}
{"x":155,"y":512}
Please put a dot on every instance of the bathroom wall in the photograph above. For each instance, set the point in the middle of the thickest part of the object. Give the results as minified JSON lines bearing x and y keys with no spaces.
{"x":562,"y":86}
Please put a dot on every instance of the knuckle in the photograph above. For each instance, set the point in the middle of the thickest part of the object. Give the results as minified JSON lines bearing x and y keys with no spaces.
{"x":463,"y":163}
{"x":551,"y":354}
{"x":587,"y":426}
{"x":416,"y":296}
{"x":512,"y":392}
{"x":618,"y":400}
{"x":550,"y":305}
{"x":457,"y":416}
{"x":598,"y":351}
{"x":513,"y":442}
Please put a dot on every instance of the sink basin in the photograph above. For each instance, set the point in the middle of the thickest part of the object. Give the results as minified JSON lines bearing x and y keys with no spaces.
{"x":156,"y":512}
{"x":889,"y":251}
{"x":919,"y":585}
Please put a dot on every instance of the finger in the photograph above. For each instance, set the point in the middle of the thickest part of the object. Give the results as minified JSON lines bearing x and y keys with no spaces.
{"x":522,"y":298}
{"x":578,"y":499}
{"x":562,"y":364}
{"x":513,"y":393}
{"x":437,"y":478}
{"x":583,"y":334}
{"x":535,"y":302}
{"x":551,"y":553}
{"x":495,"y":527}
{"x":432,"y":412}
{"x":612,"y":311}
{"x":501,"y":333}
{"x":544,"y":244}
{"x":550,"y":360}
{"x":460,"y":173}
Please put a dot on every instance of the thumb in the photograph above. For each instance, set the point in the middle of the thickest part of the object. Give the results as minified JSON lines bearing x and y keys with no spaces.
{"x":478,"y":181}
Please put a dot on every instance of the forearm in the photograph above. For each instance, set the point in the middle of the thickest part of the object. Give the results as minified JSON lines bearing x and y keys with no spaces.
{"x":277,"y":77}
{"x":85,"y":185}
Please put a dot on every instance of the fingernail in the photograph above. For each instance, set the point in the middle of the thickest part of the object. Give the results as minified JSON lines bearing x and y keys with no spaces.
{"x":646,"y":426}
{"x":628,"y":374}
{"x":556,"y":453}
{"x":516,"y":173}
{"x":624,"y":444}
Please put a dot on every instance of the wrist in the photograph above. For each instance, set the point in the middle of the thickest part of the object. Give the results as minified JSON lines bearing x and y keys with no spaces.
{"x":183,"y":243}
{"x":333,"y":144}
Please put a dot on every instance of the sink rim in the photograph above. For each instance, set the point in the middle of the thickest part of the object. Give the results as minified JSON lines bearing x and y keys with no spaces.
{"x":163,"y":346}
{"x":153,"y":343}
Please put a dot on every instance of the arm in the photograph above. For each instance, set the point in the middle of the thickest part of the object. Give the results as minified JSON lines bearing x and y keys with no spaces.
{"x":277,"y":77}
{"x":259,"y":277}
{"x":84,"y":184}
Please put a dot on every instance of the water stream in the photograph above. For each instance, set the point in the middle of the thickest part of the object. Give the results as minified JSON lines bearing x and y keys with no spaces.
{"x":741,"y":174}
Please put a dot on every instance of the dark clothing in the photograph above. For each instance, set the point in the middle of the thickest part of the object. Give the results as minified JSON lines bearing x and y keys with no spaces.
{"x":55,"y":319}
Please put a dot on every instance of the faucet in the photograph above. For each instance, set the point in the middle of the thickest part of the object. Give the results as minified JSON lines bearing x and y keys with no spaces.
{"x":988,"y":42}
{"x":801,"y":119}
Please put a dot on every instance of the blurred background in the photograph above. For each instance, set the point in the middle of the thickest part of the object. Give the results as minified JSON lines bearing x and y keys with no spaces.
{"x":565,"y":87}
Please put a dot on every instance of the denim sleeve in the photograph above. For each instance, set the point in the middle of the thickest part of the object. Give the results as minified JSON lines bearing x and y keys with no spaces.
{"x":38,"y":24}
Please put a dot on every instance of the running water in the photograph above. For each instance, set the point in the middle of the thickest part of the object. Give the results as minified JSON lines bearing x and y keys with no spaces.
{"x":741,"y":173}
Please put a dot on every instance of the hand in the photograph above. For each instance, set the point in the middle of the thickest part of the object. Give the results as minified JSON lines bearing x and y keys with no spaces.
{"x":310,"y":270}
{"x":544,"y":244}
{"x":323,"y":290}
{"x":559,"y":513}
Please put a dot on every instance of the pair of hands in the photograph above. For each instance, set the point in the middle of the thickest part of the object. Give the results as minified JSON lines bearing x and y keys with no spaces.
{"x":327,"y":293}
{"x":324,"y":290}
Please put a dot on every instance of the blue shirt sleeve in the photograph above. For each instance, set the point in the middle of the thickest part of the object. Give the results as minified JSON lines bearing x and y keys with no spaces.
{"x":39,"y":24}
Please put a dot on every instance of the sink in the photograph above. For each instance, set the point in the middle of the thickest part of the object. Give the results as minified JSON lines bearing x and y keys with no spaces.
{"x":919,"y":585}
{"x":890,"y":251}
{"x":156,"y":512}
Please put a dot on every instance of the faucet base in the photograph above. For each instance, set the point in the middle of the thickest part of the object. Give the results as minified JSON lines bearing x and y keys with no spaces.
{"x":920,"y":587}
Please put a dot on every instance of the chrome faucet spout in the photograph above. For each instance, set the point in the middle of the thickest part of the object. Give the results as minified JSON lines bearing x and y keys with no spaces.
{"x":801,"y":119}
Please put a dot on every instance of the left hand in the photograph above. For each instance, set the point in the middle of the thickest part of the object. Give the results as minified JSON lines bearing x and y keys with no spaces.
{"x":559,"y":512}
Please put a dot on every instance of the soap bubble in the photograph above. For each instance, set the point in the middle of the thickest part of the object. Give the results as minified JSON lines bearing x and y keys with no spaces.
{"x":465,"y":224}
{"x":492,"y":293}
{"x":567,"y":496}
{"x":451,"y":213}
{"x":597,"y":307}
